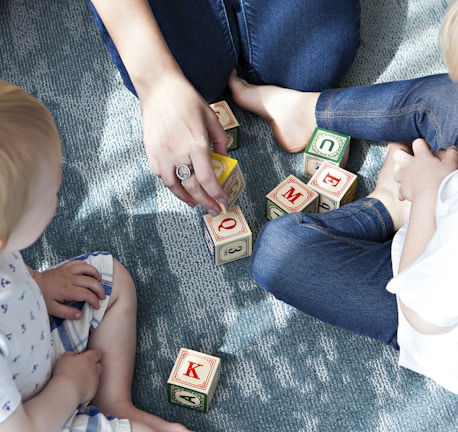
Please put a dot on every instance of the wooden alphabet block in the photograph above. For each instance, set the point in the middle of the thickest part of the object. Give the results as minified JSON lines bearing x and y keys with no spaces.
{"x":291,"y":195}
{"x":229,"y":175}
{"x":229,"y":123}
{"x":336,"y":186}
{"x":193,"y":379}
{"x":325,"y":145}
{"x":228,"y":236}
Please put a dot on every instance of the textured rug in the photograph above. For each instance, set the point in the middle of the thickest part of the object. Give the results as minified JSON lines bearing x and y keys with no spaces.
{"x":281,"y":370}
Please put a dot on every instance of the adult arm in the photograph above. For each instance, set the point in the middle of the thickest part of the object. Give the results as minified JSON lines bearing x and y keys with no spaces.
{"x":177,"y":122}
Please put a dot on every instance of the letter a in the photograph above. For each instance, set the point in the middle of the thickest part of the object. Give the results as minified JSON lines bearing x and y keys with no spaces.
{"x":191,"y":400}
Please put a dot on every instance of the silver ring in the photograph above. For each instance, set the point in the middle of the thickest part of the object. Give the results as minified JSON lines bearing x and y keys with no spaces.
{"x":184,"y":172}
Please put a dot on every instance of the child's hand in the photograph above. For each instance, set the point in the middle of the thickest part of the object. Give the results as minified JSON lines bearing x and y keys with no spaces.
{"x":83,"y":370}
{"x":73,"y":281}
{"x":422,"y":173}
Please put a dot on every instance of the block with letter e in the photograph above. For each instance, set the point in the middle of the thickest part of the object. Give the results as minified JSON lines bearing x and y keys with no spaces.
{"x":291,"y":195}
{"x":193,"y":379}
{"x":325,"y":145}
{"x":227,"y":235}
{"x":336,"y":186}
{"x":229,"y":175}
{"x":229,"y":123}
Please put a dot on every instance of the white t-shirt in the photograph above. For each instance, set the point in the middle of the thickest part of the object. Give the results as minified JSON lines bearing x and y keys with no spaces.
{"x":429,"y":286}
{"x":25,"y":338}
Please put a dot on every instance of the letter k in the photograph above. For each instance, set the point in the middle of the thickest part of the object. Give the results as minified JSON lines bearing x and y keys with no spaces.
{"x":191,"y":372}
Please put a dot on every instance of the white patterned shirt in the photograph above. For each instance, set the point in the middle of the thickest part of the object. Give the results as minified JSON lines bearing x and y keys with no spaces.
{"x":429,"y":286}
{"x":25,"y":339}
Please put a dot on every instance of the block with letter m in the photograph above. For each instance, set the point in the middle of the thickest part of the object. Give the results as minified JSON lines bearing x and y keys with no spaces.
{"x":291,"y":195}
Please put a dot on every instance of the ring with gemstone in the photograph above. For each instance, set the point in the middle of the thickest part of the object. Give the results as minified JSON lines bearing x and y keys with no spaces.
{"x":184,"y":172}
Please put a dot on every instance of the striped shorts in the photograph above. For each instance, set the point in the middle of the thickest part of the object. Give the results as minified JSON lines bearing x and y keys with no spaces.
{"x":73,"y":335}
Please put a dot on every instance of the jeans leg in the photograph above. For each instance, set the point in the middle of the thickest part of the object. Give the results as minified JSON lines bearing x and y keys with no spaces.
{"x":111,"y":48}
{"x":425,"y":107}
{"x":304,"y":45}
{"x":333,"y":266}
{"x":202,"y":36}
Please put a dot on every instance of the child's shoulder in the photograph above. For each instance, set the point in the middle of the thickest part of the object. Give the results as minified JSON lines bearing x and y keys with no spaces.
{"x":11,"y":262}
{"x":14,"y":275}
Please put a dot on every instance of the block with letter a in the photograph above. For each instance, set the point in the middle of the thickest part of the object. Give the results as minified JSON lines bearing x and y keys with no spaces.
{"x":325,"y":145}
{"x":227,"y":235}
{"x":336,"y":186}
{"x":229,"y":123}
{"x":291,"y":195}
{"x":193,"y":379}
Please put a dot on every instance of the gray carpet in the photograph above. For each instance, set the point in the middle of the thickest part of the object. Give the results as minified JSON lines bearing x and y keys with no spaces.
{"x":281,"y":370}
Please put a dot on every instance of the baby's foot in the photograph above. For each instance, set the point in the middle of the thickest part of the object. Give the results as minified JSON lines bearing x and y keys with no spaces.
{"x":143,"y":418}
{"x":291,"y":113}
{"x":387,"y":188}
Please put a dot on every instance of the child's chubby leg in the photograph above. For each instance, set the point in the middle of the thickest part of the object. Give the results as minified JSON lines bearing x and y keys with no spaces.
{"x":291,"y":113}
{"x":116,"y":338}
{"x":387,"y":189}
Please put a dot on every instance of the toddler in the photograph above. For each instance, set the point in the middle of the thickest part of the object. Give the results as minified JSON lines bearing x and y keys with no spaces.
{"x":58,"y":374}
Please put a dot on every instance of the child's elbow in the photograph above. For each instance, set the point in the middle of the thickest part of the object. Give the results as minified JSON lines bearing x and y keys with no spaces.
{"x":419,"y":324}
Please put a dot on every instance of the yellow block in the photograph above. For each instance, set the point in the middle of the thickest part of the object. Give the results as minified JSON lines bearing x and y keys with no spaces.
{"x":229,"y":175}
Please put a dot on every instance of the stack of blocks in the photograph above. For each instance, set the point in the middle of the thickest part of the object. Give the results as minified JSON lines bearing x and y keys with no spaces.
{"x":325,"y":145}
{"x":193,"y":379}
{"x":229,"y":176}
{"x":334,"y":185}
{"x":329,"y":187}
{"x":228,"y":235}
{"x":324,"y":158}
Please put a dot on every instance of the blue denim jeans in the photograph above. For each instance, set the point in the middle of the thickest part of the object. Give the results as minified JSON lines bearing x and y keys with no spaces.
{"x":299,"y":44}
{"x":425,"y":107}
{"x":333,"y":266}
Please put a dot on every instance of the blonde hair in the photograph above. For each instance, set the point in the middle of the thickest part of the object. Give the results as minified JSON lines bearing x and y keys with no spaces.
{"x":28,"y":136}
{"x":448,"y":39}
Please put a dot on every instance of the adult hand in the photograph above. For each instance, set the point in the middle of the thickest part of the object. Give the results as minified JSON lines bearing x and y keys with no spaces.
{"x":177,"y":123}
{"x":178,"y":127}
{"x":72,"y":281}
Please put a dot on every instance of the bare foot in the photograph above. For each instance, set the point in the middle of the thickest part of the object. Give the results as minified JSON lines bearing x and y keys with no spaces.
{"x":387,"y":188}
{"x":291,"y":113}
{"x":144,"y":421}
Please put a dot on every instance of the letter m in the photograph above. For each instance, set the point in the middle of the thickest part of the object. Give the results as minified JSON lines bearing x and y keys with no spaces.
{"x":291,"y":196}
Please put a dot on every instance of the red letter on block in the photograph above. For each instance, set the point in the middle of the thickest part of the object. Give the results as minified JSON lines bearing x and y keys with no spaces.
{"x":227,"y":224}
{"x":290,"y":197}
{"x":331,"y":180}
{"x":192,"y":370}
